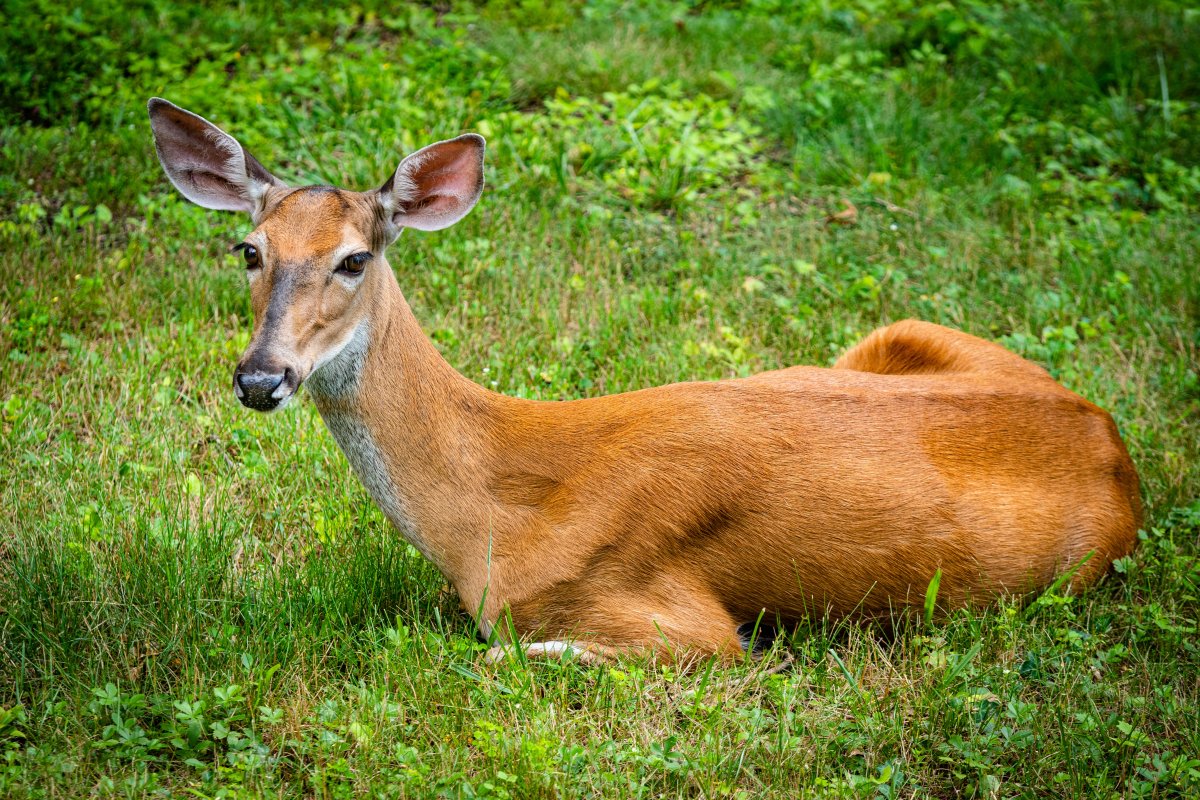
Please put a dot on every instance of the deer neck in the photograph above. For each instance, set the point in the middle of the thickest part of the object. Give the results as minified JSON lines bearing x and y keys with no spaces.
{"x":414,"y":430}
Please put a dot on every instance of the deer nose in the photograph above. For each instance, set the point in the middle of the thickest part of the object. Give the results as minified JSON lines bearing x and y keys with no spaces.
{"x":261,"y":391}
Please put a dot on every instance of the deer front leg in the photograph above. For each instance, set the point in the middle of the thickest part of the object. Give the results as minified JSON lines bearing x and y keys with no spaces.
{"x":583,"y":652}
{"x":687,"y":630}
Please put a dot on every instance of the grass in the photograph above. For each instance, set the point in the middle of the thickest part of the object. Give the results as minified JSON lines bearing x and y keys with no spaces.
{"x":197,"y":598}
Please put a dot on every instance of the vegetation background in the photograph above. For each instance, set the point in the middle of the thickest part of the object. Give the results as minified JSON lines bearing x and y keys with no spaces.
{"x":195,"y":598}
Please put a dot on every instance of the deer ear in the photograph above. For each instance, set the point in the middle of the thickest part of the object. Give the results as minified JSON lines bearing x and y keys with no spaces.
{"x":206,"y":164}
{"x":436,"y":186}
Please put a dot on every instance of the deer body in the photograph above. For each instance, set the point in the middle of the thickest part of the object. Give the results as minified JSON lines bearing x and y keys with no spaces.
{"x":685,"y":510}
{"x":668,"y":517}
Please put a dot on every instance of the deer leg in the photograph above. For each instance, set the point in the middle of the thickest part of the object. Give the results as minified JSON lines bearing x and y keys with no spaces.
{"x":682,"y":632}
{"x":584,"y":652}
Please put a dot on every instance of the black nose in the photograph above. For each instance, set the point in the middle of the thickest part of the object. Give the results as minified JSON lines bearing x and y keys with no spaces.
{"x":257,"y":389}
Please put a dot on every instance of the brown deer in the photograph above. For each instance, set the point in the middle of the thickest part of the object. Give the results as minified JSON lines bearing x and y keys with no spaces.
{"x":664,"y":519}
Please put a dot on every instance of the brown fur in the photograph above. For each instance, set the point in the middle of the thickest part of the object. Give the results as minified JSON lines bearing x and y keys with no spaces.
{"x":663,"y":519}
{"x":674,"y":514}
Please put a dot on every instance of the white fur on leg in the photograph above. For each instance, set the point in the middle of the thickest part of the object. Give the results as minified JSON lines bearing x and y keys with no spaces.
{"x":550,"y":649}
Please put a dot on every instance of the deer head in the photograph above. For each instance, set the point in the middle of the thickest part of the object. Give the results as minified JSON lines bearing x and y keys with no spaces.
{"x":316,"y":255}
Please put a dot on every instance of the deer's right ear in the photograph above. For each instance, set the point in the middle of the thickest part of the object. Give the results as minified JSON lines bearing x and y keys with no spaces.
{"x":206,"y":164}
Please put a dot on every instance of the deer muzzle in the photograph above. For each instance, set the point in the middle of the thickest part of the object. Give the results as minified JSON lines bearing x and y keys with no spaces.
{"x":264,"y":389}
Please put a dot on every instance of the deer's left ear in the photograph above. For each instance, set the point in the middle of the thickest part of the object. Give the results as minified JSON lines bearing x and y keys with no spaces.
{"x":206,"y":164}
{"x":436,"y":186}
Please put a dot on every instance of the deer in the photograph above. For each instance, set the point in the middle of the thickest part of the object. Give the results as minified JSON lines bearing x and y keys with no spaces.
{"x":670,"y":520}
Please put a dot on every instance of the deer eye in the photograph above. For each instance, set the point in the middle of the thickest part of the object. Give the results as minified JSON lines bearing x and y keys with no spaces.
{"x":250,"y":253}
{"x":354,"y":265}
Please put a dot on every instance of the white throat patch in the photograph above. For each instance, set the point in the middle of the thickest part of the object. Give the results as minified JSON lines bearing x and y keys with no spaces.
{"x":338,"y":378}
{"x":338,"y":375}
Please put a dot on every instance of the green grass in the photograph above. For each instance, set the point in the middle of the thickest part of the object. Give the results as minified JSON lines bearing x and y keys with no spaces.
{"x":196,"y":597}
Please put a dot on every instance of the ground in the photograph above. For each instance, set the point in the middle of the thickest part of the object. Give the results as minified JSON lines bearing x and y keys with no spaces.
{"x":195,"y":597}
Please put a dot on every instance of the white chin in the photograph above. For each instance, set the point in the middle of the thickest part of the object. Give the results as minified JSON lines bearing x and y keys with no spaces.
{"x":282,"y":403}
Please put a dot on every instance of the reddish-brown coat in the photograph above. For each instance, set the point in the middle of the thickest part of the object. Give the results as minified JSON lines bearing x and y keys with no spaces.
{"x":663,"y":519}
{"x":676,"y":513}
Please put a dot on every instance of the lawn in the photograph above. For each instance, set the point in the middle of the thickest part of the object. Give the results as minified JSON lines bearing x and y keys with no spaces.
{"x":197,"y":598}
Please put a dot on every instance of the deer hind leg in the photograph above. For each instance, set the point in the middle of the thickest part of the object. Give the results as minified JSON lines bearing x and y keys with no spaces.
{"x":913,"y":347}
